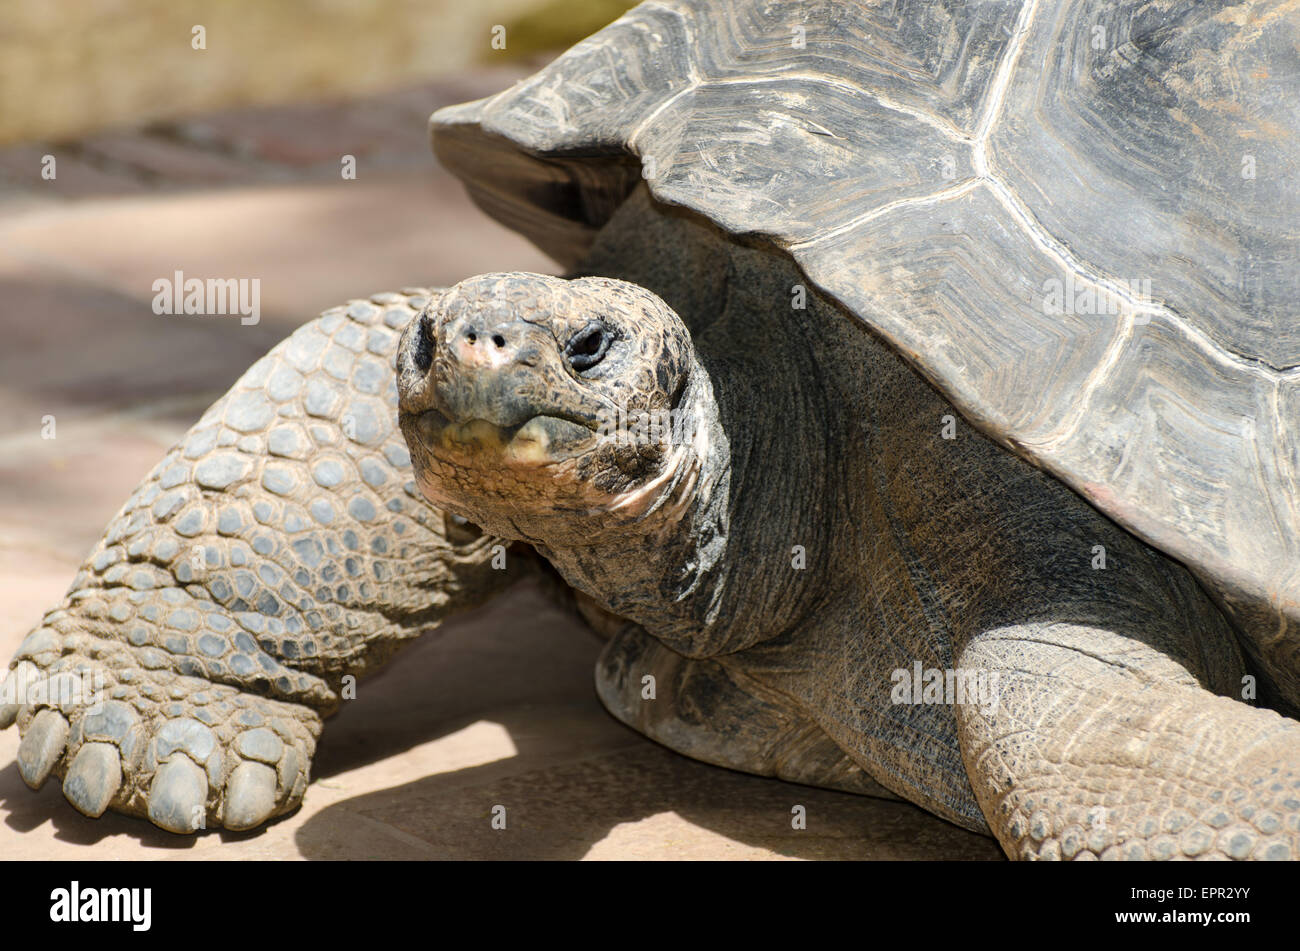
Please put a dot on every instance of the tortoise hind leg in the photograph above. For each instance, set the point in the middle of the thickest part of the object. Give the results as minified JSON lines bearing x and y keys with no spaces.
{"x":1099,"y":746}
{"x":709,"y":711}
{"x":279,"y":550}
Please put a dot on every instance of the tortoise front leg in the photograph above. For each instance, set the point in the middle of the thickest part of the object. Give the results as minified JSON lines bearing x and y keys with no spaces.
{"x":1098,"y":746}
{"x":278,"y":551}
{"x":712,"y":710}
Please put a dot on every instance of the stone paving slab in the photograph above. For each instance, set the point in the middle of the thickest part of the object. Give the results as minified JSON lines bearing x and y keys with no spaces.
{"x":310,"y":246}
{"x":296,"y":143}
{"x":496,"y":708}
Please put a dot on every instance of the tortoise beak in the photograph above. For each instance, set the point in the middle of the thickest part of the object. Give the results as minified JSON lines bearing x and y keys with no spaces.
{"x":537,"y":441}
{"x":487,"y":370}
{"x":475,"y":387}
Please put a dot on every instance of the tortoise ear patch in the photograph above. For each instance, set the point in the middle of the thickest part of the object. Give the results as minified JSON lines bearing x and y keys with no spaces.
{"x":424,"y":344}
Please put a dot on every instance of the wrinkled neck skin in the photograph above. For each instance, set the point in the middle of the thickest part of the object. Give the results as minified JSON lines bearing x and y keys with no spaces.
{"x":698,"y":556}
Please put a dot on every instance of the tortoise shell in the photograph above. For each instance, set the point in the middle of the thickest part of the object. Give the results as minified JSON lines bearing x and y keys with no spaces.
{"x":1078,"y":219}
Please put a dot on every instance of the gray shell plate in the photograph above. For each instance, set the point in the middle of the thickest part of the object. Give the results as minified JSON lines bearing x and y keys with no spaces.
{"x":1078,"y":218}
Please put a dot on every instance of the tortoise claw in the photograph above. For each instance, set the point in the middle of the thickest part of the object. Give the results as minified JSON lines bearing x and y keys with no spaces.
{"x":14,"y":689}
{"x":250,"y":796}
{"x":41,"y":748}
{"x":178,"y":795}
{"x":93,"y":778}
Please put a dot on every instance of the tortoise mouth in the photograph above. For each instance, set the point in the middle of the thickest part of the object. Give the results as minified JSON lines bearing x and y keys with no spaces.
{"x":541,"y":439}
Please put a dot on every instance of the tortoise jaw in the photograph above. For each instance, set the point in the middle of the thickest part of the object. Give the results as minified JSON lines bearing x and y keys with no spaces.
{"x":540,"y":440}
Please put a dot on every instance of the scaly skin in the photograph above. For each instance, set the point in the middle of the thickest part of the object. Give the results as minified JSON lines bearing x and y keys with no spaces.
{"x":1099,"y":749}
{"x":277,"y":549}
{"x":818,"y":534}
{"x":810,"y":534}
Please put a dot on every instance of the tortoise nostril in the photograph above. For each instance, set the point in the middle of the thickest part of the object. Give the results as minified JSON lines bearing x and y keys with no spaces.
{"x":490,"y":345}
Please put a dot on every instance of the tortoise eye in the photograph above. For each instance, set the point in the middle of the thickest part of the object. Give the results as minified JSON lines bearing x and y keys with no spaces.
{"x":424,"y":341}
{"x":588,"y":346}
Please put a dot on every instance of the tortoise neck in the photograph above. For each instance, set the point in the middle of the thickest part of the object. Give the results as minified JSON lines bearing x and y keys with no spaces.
{"x":655,"y":553}
{"x":717,"y":562}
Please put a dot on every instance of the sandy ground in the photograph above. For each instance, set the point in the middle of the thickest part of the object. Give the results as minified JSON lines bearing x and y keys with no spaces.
{"x":497,"y":708}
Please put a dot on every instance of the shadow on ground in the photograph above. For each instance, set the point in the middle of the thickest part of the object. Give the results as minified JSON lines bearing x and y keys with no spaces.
{"x":578,"y":775}
{"x":499,"y":708}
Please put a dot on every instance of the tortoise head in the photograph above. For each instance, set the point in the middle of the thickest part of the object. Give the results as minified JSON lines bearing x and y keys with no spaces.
{"x":547,"y":409}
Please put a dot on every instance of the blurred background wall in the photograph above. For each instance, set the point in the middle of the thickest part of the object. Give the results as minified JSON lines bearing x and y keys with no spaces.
{"x":71,"y":67}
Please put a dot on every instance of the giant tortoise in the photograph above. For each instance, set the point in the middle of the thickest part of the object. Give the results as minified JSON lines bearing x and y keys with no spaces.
{"x":917,"y":416}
